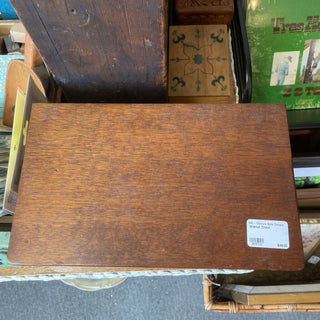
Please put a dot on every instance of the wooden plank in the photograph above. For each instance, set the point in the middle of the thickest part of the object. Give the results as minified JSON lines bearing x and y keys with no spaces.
{"x":6,"y":219}
{"x":211,"y":303}
{"x":309,"y":216}
{"x":204,"y":11}
{"x":6,"y":227}
{"x":6,"y":25}
{"x":19,"y":136}
{"x":13,"y":271}
{"x":253,"y":295}
{"x":18,"y":33}
{"x":102,"y":51}
{"x":233,"y":307}
{"x":309,"y":203}
{"x":308,"y":193}
{"x":18,"y":74}
{"x":154,"y":186}
{"x":312,"y":287}
{"x":6,"y":223}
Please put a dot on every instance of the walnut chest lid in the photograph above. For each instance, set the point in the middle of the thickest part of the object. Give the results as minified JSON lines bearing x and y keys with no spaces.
{"x":157,"y":186}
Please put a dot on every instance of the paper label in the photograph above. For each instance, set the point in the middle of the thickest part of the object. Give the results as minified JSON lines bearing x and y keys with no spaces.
{"x":272,"y":234}
{"x":314,"y":260}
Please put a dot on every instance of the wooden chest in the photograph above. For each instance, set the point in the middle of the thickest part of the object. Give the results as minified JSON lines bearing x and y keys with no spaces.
{"x":102,"y":51}
{"x":204,"y":11}
{"x":155,"y":186}
{"x":199,"y":64}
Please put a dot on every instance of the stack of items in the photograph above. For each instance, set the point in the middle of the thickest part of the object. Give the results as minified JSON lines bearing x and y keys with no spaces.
{"x":12,"y":48}
{"x":23,"y":82}
{"x":285,"y":53}
{"x":150,"y":186}
{"x":13,"y":42}
{"x":5,"y":141}
{"x":12,"y":38}
{"x":276,"y":287}
{"x":19,"y":135}
{"x":4,"y":243}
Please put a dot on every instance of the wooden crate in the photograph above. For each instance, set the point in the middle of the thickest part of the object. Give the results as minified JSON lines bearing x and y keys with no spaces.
{"x":308,"y":197}
{"x":199,"y":64}
{"x":100,"y":50}
{"x":211,"y":303}
{"x":204,"y":12}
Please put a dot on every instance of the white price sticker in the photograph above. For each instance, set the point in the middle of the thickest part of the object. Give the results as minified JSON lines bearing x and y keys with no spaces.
{"x":314,"y":260}
{"x":272,"y":234}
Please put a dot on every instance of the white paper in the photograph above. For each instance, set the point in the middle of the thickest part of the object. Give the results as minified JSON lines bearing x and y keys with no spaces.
{"x":314,"y":260}
{"x":272,"y":234}
{"x":306,"y":172}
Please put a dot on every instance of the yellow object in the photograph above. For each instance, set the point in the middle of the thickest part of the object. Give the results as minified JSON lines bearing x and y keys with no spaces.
{"x":16,"y":131}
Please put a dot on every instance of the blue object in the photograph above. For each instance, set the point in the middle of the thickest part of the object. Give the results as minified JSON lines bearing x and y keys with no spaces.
{"x":4,"y":61}
{"x":7,"y":11}
{"x":4,"y":243}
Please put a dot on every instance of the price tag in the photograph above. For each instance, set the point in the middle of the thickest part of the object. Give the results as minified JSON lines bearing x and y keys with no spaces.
{"x":272,"y":234}
{"x":314,"y":260}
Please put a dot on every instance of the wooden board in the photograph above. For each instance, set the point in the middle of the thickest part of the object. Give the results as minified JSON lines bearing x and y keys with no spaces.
{"x":18,"y":33}
{"x":102,"y":51}
{"x":199,"y":64}
{"x":6,"y":25}
{"x":18,"y":140}
{"x":5,"y":224}
{"x":154,"y":186}
{"x":17,"y":76}
{"x":282,"y":294}
{"x":309,"y":215}
{"x":204,"y":11}
{"x":211,"y":303}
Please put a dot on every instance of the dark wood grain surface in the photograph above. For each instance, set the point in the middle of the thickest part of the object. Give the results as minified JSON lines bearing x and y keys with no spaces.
{"x":163,"y":186}
{"x":102,"y":51}
{"x":191,"y":12}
